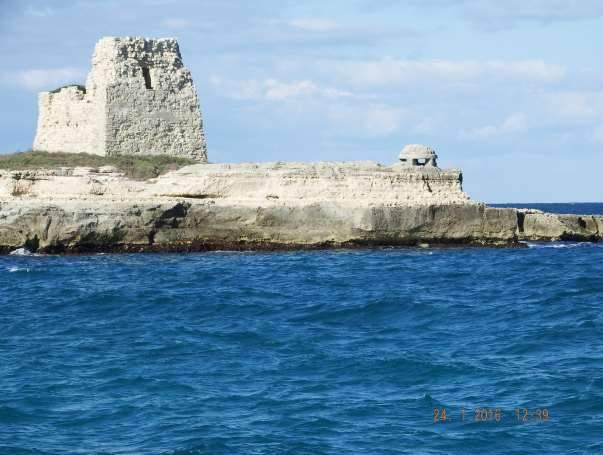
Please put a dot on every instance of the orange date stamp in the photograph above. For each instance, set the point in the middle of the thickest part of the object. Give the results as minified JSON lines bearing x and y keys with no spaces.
{"x":488,"y":414}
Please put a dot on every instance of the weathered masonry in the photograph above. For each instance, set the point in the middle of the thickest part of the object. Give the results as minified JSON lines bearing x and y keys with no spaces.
{"x":139,"y":99}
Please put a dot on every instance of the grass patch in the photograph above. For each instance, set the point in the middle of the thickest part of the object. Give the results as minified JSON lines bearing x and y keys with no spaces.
{"x":141,"y":167}
{"x":81,"y":88}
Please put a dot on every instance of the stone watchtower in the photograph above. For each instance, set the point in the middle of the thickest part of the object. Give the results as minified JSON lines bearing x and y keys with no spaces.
{"x":139,"y":99}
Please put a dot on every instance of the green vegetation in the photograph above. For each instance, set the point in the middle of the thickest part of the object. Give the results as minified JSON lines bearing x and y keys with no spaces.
{"x":136,"y":167}
{"x":80,"y":87}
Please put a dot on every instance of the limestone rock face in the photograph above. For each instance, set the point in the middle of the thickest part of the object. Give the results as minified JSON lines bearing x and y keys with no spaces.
{"x":229,"y":205}
{"x":267,"y":205}
{"x":357,"y":183}
{"x":138,"y":99}
{"x":551,"y":226}
{"x":296,"y":183}
{"x":195,"y":225}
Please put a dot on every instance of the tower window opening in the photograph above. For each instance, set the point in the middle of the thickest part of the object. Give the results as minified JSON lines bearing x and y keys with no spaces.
{"x":147,"y":78}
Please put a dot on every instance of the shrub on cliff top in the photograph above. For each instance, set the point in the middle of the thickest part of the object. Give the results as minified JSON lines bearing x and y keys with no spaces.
{"x":136,"y":167}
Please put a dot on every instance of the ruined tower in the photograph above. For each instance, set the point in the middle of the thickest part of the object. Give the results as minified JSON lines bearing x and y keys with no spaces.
{"x":139,"y":99}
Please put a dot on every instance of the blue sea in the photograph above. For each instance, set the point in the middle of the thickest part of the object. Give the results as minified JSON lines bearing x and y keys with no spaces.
{"x":384,"y":351}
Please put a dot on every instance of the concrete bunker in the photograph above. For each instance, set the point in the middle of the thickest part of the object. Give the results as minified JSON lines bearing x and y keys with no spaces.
{"x":416,"y":155}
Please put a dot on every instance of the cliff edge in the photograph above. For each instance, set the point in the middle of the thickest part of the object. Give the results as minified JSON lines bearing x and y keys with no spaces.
{"x":250,"y":205}
{"x":280,"y":205}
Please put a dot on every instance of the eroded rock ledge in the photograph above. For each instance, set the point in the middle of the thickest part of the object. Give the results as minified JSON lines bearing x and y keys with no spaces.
{"x":262,"y":206}
{"x":538,"y":226}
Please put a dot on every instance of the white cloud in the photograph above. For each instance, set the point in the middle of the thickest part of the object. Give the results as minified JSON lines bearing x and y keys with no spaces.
{"x":576,"y":106}
{"x":382,"y":120}
{"x":514,"y":123}
{"x":176,"y":22}
{"x":426,"y":125}
{"x":39,"y":12}
{"x":598,"y":133}
{"x":358,"y":116}
{"x":389,"y":70}
{"x":314,"y":24}
{"x":45,"y":79}
{"x":373,"y":119}
{"x":274,"y":90}
{"x":496,"y":14}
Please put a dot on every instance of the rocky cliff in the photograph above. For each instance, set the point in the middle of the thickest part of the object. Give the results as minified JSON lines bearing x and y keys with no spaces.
{"x":260,"y":206}
{"x":538,"y":226}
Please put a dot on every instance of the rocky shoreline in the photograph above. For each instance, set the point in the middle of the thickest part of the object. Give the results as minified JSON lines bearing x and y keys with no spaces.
{"x":204,"y":247}
{"x":267,"y":207}
{"x":119,"y":240}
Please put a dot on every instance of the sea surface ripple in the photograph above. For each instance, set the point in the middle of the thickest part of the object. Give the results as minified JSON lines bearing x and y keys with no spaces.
{"x":303,"y":352}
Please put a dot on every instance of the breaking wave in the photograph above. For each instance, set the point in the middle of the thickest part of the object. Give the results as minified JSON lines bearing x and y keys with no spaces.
{"x":21,"y":252}
{"x":559,"y":245}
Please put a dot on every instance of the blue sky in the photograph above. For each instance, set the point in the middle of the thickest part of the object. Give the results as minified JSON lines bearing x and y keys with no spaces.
{"x":509,"y":91}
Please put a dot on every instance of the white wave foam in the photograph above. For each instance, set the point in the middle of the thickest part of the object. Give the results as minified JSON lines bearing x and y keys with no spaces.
{"x":24,"y":252}
{"x":18,"y":269}
{"x":558,"y":244}
{"x":21,"y":252}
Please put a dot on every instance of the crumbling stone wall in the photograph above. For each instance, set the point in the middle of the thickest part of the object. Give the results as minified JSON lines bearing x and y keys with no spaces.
{"x":69,"y":122}
{"x":139,"y":99}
